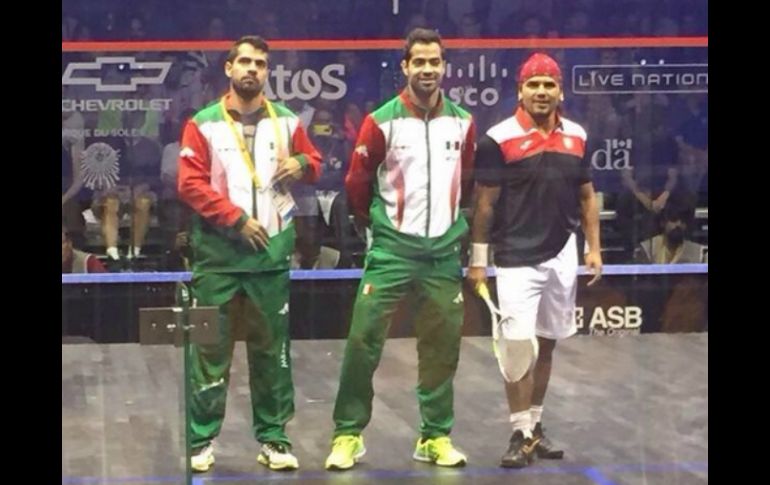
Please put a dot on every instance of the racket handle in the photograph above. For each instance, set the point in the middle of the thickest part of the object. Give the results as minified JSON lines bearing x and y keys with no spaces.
{"x":483,"y":291}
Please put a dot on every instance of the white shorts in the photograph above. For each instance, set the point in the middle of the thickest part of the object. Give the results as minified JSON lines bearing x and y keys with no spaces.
{"x":540,"y":300}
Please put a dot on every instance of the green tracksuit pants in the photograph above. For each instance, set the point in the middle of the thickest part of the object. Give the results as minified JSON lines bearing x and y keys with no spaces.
{"x":259,"y":304}
{"x":433,"y":288}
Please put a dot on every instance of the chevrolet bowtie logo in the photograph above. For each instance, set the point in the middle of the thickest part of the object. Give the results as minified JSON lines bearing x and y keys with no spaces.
{"x":90,"y":73}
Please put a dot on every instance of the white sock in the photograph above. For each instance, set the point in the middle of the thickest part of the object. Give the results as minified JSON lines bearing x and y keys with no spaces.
{"x":112,"y":252}
{"x":522,"y":421}
{"x":137,"y":250}
{"x":537,"y":414}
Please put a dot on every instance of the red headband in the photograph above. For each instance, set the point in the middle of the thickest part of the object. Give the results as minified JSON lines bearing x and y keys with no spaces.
{"x":539,"y":65}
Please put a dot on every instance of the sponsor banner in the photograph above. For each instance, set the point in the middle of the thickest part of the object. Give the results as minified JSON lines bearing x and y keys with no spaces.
{"x":617,"y":306}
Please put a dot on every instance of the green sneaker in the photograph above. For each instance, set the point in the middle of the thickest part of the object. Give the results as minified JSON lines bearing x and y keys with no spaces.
{"x":439,"y":451}
{"x":346,"y":450}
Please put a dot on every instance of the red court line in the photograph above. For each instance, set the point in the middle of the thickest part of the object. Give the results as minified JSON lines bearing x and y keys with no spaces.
{"x":389,"y":44}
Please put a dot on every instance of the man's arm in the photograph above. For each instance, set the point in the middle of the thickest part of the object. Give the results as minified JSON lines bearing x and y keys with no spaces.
{"x":484,"y":200}
{"x":627,"y":177}
{"x":194,"y":182}
{"x":76,"y":152}
{"x":489,"y":161}
{"x":672,"y":176}
{"x":589,"y":211}
{"x":304,"y":163}
{"x":367,"y":155}
{"x":168,"y":165}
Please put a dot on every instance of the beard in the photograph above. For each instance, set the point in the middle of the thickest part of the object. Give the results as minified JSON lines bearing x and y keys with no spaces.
{"x":425,"y":91}
{"x":542,"y":110}
{"x":247,"y":90}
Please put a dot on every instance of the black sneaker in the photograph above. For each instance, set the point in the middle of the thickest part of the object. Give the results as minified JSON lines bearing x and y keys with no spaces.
{"x":545,"y":449}
{"x":521,"y":451}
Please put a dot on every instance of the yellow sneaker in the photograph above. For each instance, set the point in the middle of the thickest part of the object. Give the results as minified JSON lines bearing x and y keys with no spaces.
{"x":439,"y":451}
{"x":346,"y":450}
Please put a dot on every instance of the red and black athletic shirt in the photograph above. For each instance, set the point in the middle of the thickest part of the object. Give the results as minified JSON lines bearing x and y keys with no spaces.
{"x":539,"y":177}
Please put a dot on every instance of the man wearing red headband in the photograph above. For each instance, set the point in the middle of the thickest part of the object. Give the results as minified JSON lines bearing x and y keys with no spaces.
{"x":533,"y":191}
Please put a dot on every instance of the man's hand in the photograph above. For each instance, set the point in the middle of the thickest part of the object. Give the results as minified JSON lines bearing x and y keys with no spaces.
{"x":288,"y":170}
{"x":476,"y":276}
{"x":181,"y":241}
{"x":255,"y":234}
{"x":593,"y":260}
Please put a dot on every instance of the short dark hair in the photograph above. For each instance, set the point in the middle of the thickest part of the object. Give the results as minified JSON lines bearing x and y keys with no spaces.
{"x":422,"y":36}
{"x":254,"y":41}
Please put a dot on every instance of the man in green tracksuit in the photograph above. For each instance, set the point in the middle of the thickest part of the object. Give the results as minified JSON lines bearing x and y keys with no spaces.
{"x":411,"y":160}
{"x":236,"y":157}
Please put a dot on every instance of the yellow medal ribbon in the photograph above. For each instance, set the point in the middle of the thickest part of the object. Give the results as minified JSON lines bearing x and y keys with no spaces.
{"x":247,"y":159}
